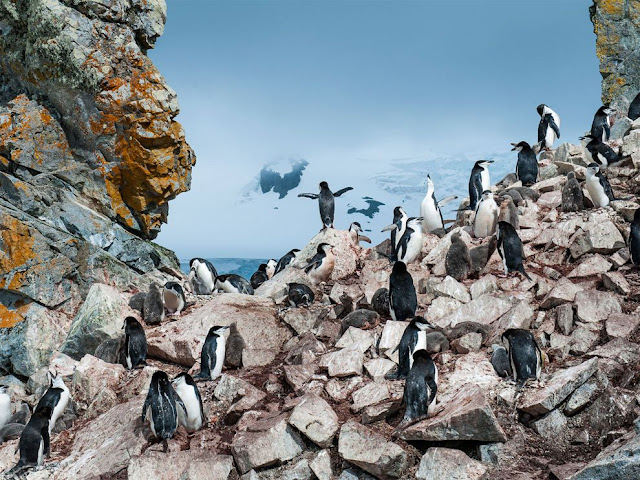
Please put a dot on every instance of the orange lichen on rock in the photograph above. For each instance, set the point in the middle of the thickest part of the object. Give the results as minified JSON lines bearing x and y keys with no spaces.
{"x":10,"y":318}
{"x":16,"y":247}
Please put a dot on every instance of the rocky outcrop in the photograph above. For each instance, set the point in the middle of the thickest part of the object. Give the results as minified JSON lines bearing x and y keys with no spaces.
{"x":616,"y":24}
{"x":90,"y":156}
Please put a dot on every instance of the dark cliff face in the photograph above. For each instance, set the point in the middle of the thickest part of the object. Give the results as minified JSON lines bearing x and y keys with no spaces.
{"x":616,"y":24}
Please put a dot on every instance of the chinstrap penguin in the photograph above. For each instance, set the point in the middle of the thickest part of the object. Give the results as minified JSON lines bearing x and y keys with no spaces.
{"x":300,"y":295}
{"x":326,"y":202}
{"x":135,"y":343}
{"x":410,"y":244}
{"x":634,"y":108}
{"x":403,"y":301}
{"x":510,"y":249}
{"x":600,"y":153}
{"x":213,"y":353}
{"x":634,"y":238}
{"x":56,"y":398}
{"x":525,"y":356}
{"x":354,"y":231}
{"x":420,"y":388}
{"x":601,"y":125}
{"x":5,"y":406}
{"x":487,"y":211}
{"x":397,"y":228}
{"x":192,"y":417}
{"x":430,"y":209}
{"x":479,"y":182}
{"x":321,"y":265}
{"x":34,"y":441}
{"x":204,"y":271}
{"x":163,"y":403}
{"x":286,"y":259}
{"x":527,"y":164}
{"x":548,"y":128}
{"x":174,"y":300}
{"x":259,"y":276}
{"x":598,"y":186}
{"x":413,"y":338}
{"x":232,"y":283}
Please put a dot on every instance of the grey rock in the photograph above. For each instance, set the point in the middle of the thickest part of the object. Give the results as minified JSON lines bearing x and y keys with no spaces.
{"x":370,"y":394}
{"x":620,"y":460}
{"x":581,"y":397}
{"x":440,"y":463}
{"x":490,"y":452}
{"x":321,"y":466}
{"x":564,"y":292}
{"x":601,"y":237}
{"x":595,"y":306}
{"x":345,"y":362}
{"x":487,"y":284}
{"x":450,"y":287}
{"x":616,"y":282}
{"x":564,"y":318}
{"x":550,"y":425}
{"x":621,"y":325}
{"x":315,"y":419}
{"x":583,"y":339}
{"x":491,"y":307}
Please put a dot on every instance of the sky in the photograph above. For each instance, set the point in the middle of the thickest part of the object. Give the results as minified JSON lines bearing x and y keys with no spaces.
{"x":372,"y":94}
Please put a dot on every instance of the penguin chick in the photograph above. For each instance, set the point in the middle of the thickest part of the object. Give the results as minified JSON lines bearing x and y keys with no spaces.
{"x":458,"y":260}
{"x":234,"y":347}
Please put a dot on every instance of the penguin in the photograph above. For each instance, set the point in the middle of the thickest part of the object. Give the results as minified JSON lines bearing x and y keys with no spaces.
{"x":601,"y":125}
{"x":5,"y":406}
{"x":233,"y":283}
{"x":56,"y":398}
{"x":413,"y":338}
{"x":527,"y":164}
{"x":515,"y":196}
{"x":634,"y":108}
{"x":321,"y":265}
{"x":163,"y":402}
{"x":572,"y":196}
{"x":361,"y":318}
{"x":508,"y":212}
{"x":398,"y":227}
{"x":271,"y":267}
{"x":430,"y":209}
{"x":192,"y":417}
{"x":510,"y":249}
{"x":463,"y":328}
{"x":259,"y":276}
{"x":11,"y":431}
{"x":600,"y":153}
{"x":35,"y":440}
{"x":286,"y":259}
{"x":500,"y":361}
{"x":403,"y":301}
{"x":153,"y":310}
{"x":204,"y":271}
{"x":481,"y":255}
{"x":487,"y":211}
{"x":212,"y":356}
{"x":234,"y":347}
{"x":173,"y":296}
{"x":457,"y":263}
{"x":410,"y":244}
{"x":526,"y":193}
{"x":420,"y":388}
{"x":135,"y":343}
{"x":634,"y":238}
{"x":548,"y":128}
{"x":598,"y":186}
{"x":479,"y":182}
{"x":300,"y":295}
{"x":437,"y":342}
{"x":354,"y":232}
{"x":21,"y":416}
{"x":380,"y":302}
{"x":525,"y":357}
{"x":326,"y":202}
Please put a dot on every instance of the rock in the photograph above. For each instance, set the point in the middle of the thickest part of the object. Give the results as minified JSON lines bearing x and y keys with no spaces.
{"x":380,"y":411}
{"x":471,"y":342}
{"x":486,"y":284}
{"x":592,"y":266}
{"x":274,"y":443}
{"x":187,"y":465}
{"x":321,"y":466}
{"x":450,"y":287}
{"x":490,"y":452}
{"x":564,"y":318}
{"x":304,"y":349}
{"x":356,"y":338}
{"x":370,"y":394}
{"x":550,"y":184}
{"x":99,"y":319}
{"x":298,"y":375}
{"x":619,"y":350}
{"x":304,"y":320}
{"x":519,"y":316}
{"x":181,"y":341}
{"x":581,"y":397}
{"x":340,"y":389}
{"x":345,"y":362}
{"x":621,"y":325}
{"x":602,"y":237}
{"x":596,"y":306}
{"x":624,"y":208}
{"x":440,"y":307}
{"x":466,"y":416}
{"x":391,"y":334}
{"x":229,"y":388}
{"x":94,"y":386}
{"x":620,"y":128}
{"x":616,"y":282}
{"x":564,"y":292}
{"x":315,"y":419}
{"x":550,"y":425}
{"x":371,"y":452}
{"x":583,"y":339}
{"x":491,"y":307}
{"x":440,"y":463}
{"x":550,"y":199}
{"x":620,"y":461}
{"x":557,"y":388}
{"x":377,"y":368}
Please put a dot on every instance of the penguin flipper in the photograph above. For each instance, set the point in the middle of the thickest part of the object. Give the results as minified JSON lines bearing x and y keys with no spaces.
{"x":145,"y":406}
{"x":388,"y":228}
{"x":313,"y":196}
{"x":553,"y":125}
{"x":46,"y":439}
{"x":341,"y":191}
{"x":447,"y":200}
{"x":607,"y":130}
{"x":433,"y":388}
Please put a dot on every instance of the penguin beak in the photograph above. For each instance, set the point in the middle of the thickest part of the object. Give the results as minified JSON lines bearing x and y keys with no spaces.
{"x":514,"y":146}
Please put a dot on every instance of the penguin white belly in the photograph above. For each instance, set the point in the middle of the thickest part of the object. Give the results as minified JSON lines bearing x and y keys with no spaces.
{"x":220,"y":351}
{"x":421,"y":344}
{"x":596,"y":192}
{"x":484,"y":225}
{"x":227,"y":287}
{"x":323,"y":272}
{"x":172,"y":302}
{"x":193,"y":420}
{"x":59,"y":409}
{"x":603,"y":160}
{"x":430,"y":215}
{"x":5,"y":409}
{"x":484,"y":178}
{"x":414,"y":247}
{"x":129,"y":363}
{"x":550,"y":137}
{"x":431,"y":407}
{"x":41,"y":453}
{"x":204,"y":275}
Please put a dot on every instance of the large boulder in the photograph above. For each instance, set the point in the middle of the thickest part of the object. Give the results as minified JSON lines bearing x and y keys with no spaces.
{"x":440,"y":463}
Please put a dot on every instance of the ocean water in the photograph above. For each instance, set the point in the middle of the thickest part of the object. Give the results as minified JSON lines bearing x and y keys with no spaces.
{"x":240,"y":266}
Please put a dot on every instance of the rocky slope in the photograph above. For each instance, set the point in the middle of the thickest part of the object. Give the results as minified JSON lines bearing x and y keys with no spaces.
{"x":90,"y":155}
{"x":311,"y":400}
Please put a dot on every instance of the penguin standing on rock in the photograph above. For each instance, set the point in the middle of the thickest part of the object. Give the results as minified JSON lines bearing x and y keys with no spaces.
{"x":413,"y":338}
{"x":479,"y":182}
{"x":510,"y":249}
{"x":153,"y":309}
{"x":527,"y":165}
{"x":135,"y":343}
{"x":174,"y":300}
{"x":600,"y":153}
{"x":572,"y":196}
{"x":204,"y":271}
{"x":634,"y":238}
{"x":420,"y":389}
{"x":398,"y":227}
{"x":601,"y":125}
{"x":354,"y":232}
{"x":321,"y":265}
{"x":548,"y":128}
{"x":509,"y":212}
{"x":525,"y":356}
{"x":56,"y":398}
{"x":164,"y":403}
{"x":598,"y":186}
{"x":233,"y":283}
{"x":403,"y":301}
{"x":286,"y":260}
{"x":191,"y":417}
{"x":326,"y":202}
{"x":500,"y":361}
{"x":410,"y":244}
{"x":272,"y":264}
{"x":487,"y":211}
{"x":234,"y":347}
{"x":430,"y":209}
{"x":35,"y":440}
{"x":457,"y":263}
{"x":213,"y":353}
{"x":300,"y":295}
{"x":259,"y":276}
{"x":5,"y":406}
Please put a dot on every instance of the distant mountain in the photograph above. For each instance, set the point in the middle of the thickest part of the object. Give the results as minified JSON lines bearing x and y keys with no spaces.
{"x":270,"y":180}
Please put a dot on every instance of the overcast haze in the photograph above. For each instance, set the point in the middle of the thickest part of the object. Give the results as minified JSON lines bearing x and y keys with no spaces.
{"x":374,"y":95}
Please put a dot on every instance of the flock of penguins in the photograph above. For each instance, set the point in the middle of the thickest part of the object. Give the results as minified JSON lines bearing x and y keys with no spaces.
{"x":174,"y":402}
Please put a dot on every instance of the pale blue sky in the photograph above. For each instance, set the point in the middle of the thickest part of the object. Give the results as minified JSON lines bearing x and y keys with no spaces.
{"x":353,"y":88}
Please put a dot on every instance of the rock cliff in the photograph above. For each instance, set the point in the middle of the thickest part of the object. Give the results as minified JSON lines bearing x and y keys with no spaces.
{"x":90,"y":156}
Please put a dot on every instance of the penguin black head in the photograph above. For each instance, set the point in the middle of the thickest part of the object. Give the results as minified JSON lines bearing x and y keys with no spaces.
{"x":131,"y":322}
{"x":160,"y":378}
{"x":540,"y":109}
{"x":420,"y":322}
{"x":520,"y":146}
{"x":399,"y":267}
{"x":483,"y":163}
{"x":588,"y":136}
{"x":218,"y":330}
{"x":262,"y":267}
{"x":193,"y":260}
{"x":398,"y":212}
{"x":324,"y":186}
{"x":571,"y":175}
{"x":593,"y":168}
{"x":183,"y":377}
{"x":487,"y":194}
{"x":355,"y":226}
{"x":294,"y":251}
{"x":420,"y":356}
{"x":324,"y":247}
{"x":604,"y":110}
{"x":174,"y":287}
{"x":44,"y":411}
